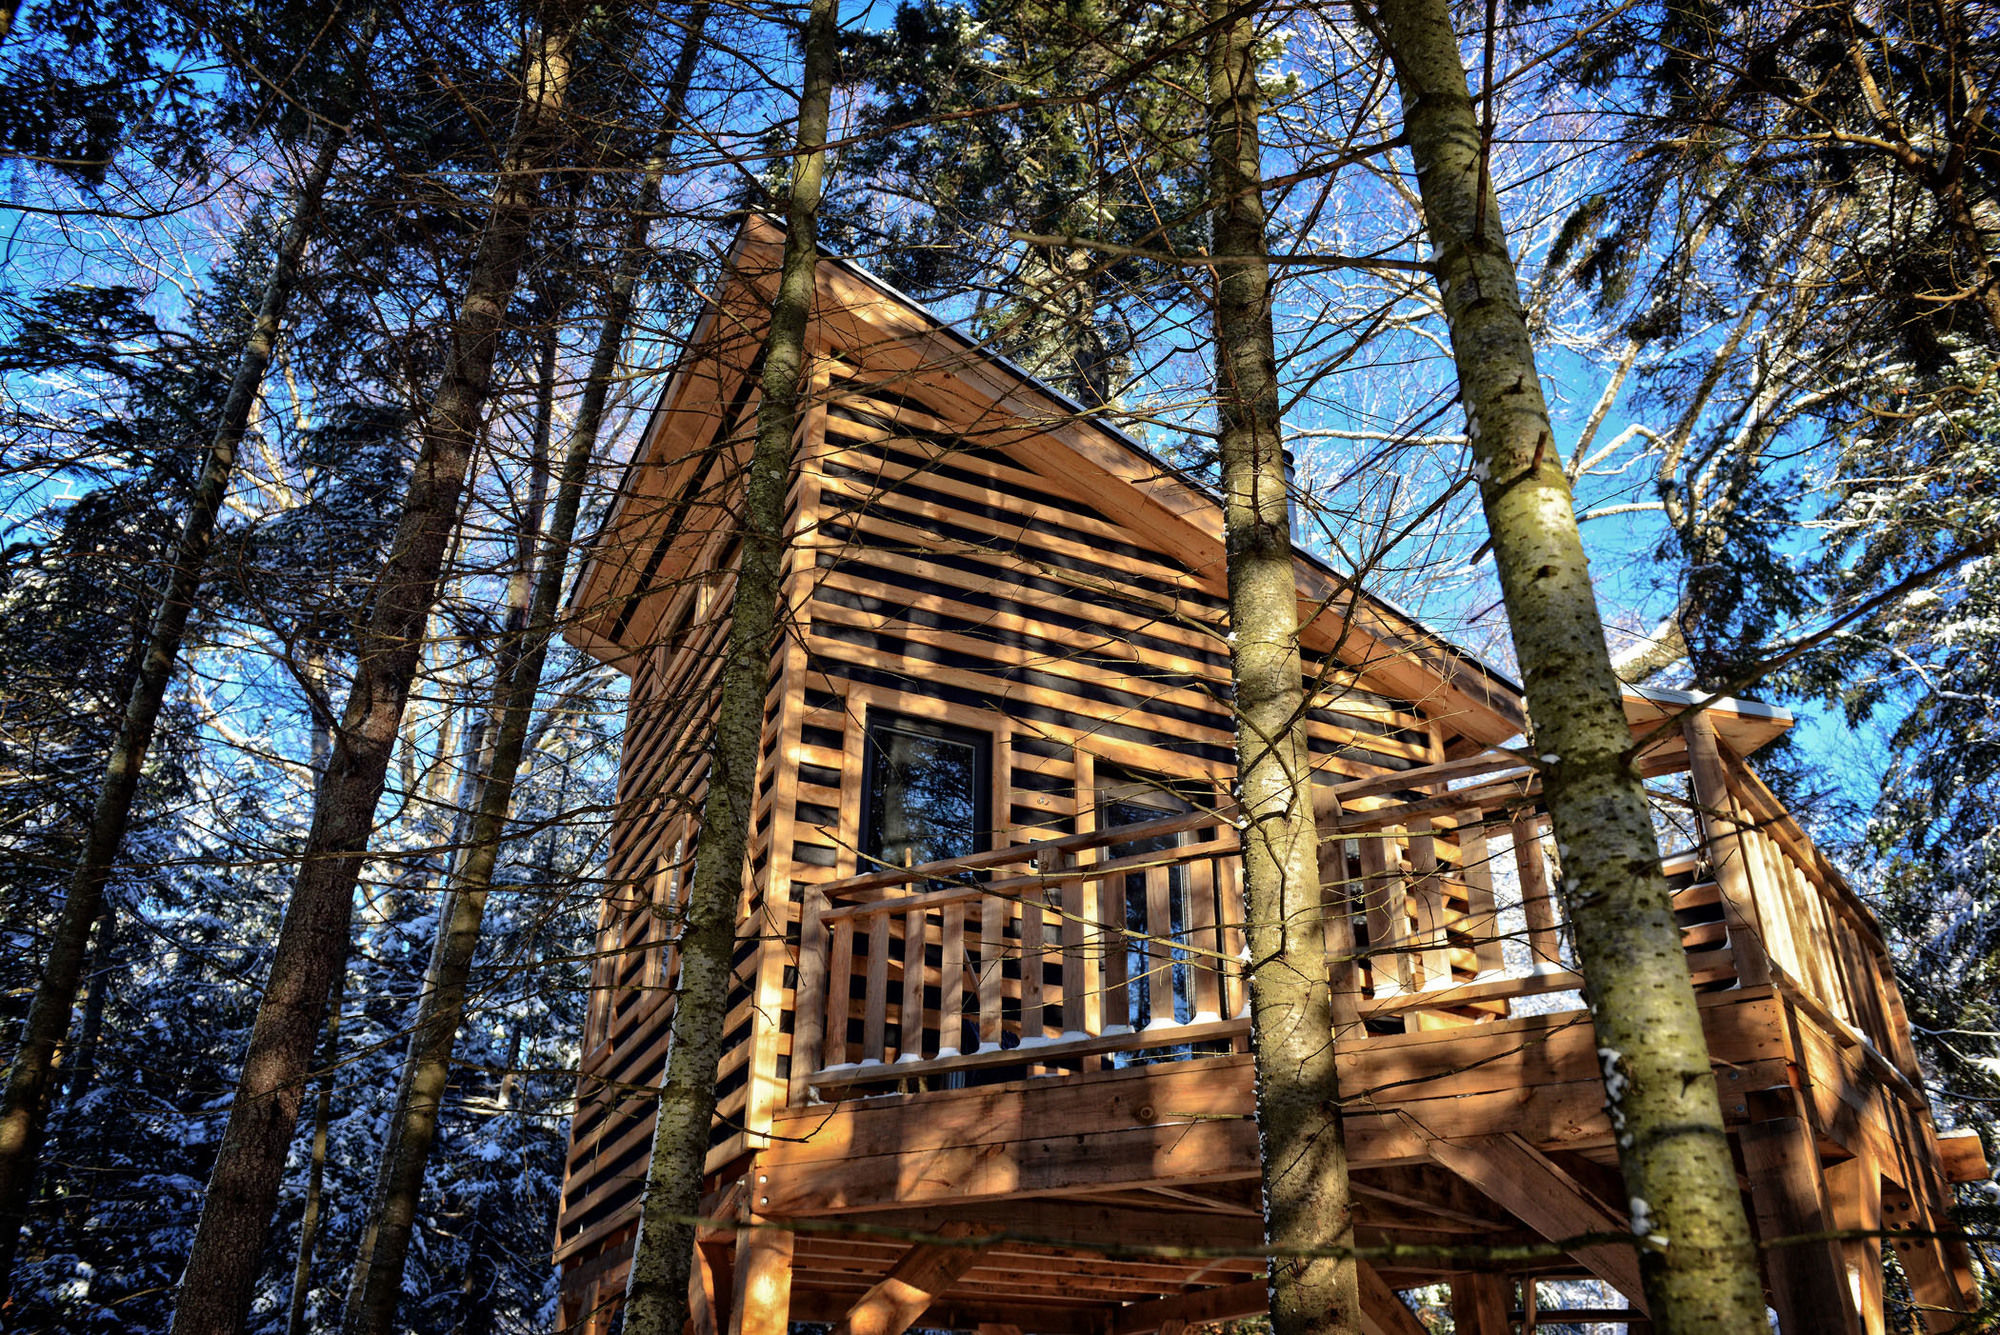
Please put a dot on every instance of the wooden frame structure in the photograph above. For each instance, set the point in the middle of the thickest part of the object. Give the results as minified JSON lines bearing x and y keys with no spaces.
{"x":1011,"y":1089}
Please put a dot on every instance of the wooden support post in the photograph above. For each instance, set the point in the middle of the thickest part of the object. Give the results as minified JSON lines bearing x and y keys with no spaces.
{"x":1204,"y":969}
{"x":993,"y":914}
{"x":1854,"y":1196}
{"x":1943,"y":1287}
{"x":1723,"y":838}
{"x":1537,"y":903}
{"x":708,"y":1294}
{"x":1342,"y":961}
{"x":1034,"y":948}
{"x":1387,"y":910}
{"x":1159,"y":948}
{"x":875,"y":1012}
{"x":1482,"y":915}
{"x":1481,"y":1305}
{"x":1808,"y":1280}
{"x":951,"y":983}
{"x":910,"y":1023}
{"x":919,"y":1277}
{"x":810,"y":995}
{"x":1518,"y":1177}
{"x":1428,"y":890}
{"x":839,"y":989}
{"x":1383,"y":1311}
{"x":763,"y":1282}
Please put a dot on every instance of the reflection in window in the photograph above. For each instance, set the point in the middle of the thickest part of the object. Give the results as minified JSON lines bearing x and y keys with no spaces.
{"x":925,"y":794}
{"x":1164,"y":997}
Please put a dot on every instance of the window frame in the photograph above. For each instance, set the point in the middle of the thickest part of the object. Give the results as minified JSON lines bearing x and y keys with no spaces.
{"x":983,"y":744}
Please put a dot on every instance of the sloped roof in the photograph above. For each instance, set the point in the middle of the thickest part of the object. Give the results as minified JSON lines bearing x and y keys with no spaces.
{"x":887,"y":330}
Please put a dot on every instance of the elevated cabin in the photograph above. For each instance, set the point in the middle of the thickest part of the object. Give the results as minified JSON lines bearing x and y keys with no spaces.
{"x":987,"y":1056}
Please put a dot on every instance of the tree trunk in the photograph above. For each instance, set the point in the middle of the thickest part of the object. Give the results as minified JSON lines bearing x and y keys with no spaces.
{"x":378,"y":1274}
{"x":24,"y":1111}
{"x":1700,"y":1272}
{"x":295,"y":1316}
{"x":314,"y":940}
{"x":1308,"y":1212}
{"x":656,"y":1301}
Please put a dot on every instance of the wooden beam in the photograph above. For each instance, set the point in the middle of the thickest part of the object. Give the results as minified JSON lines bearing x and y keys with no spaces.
{"x":1383,"y":1311}
{"x":763,"y":1282}
{"x":1854,"y":1196}
{"x":1481,"y":1305}
{"x":923,"y":1273}
{"x":1218,"y":1304}
{"x":1808,"y":1280}
{"x":1545,"y":1198}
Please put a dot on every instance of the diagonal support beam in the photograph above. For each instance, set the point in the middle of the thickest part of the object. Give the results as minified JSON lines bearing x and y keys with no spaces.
{"x":1383,"y":1311}
{"x":1521,"y":1179}
{"x":919,"y":1277}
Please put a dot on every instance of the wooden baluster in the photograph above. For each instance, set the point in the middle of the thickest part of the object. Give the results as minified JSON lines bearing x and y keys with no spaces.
{"x":1538,"y":905}
{"x":809,"y":995}
{"x":1034,"y":951}
{"x":839,"y":993}
{"x":875,"y":1003}
{"x":910,"y":1031}
{"x":1343,"y":961}
{"x":1482,"y":914}
{"x":1388,"y":916}
{"x":951,"y":982}
{"x":1111,"y":902}
{"x":1722,"y":834}
{"x":1075,"y":963}
{"x":1159,"y":945}
{"x":1235,"y":946}
{"x":993,"y":914}
{"x":1428,"y":890}
{"x":1203,"y":968}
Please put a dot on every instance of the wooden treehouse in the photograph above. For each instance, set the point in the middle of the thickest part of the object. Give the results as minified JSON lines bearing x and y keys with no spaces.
{"x":989,"y":978}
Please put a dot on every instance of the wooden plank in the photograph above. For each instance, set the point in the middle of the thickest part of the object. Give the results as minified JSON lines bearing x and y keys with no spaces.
{"x":1482,"y":918}
{"x":839,"y":1002}
{"x":1722,"y":834}
{"x":763,"y":1282}
{"x":1481,"y":1305}
{"x":1235,"y":941}
{"x":1159,"y":946}
{"x":1427,"y":890}
{"x":1205,"y":971}
{"x":993,"y":915}
{"x":1388,"y":922}
{"x":875,"y":1002}
{"x":1343,"y":960}
{"x":923,"y":1273}
{"x":810,"y":995}
{"x":951,"y":982}
{"x":1034,"y":945}
{"x":1383,"y":1311}
{"x":1808,"y":1279}
{"x":1854,"y":1200}
{"x":1225,"y":1303}
{"x":910,"y":1026}
{"x":1545,"y":1198}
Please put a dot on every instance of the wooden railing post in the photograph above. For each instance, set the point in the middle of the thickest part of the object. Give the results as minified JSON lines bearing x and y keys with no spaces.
{"x":1342,"y":961}
{"x":1537,"y":903}
{"x":809,"y":996}
{"x":1482,"y":914}
{"x":1727,"y":851}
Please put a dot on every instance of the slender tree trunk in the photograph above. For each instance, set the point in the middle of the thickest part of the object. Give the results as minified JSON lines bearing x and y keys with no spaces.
{"x":295,"y":1316}
{"x":30,"y":1078}
{"x":378,"y":1273}
{"x":1701,"y":1272}
{"x":314,"y":940}
{"x":656,"y":1293}
{"x":1308,"y":1211}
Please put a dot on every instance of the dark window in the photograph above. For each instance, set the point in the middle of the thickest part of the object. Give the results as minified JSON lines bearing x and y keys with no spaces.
{"x":926,"y":792}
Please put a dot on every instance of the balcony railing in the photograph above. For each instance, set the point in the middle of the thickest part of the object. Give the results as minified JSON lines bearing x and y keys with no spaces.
{"x":1438,"y":908}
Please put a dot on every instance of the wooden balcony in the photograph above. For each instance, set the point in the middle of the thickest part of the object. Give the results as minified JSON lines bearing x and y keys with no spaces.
{"x":1047,"y":1043}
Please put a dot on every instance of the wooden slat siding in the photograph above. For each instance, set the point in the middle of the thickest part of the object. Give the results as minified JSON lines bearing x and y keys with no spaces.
{"x":776,"y":919}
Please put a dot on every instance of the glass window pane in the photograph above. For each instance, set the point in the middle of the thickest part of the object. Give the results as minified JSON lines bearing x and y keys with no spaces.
{"x":923,"y":798}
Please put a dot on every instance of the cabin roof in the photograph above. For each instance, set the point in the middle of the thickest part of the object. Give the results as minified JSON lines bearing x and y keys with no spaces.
{"x":1486,"y":704}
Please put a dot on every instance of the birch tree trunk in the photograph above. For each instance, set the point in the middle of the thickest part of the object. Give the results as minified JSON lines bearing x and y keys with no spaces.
{"x":314,"y":940}
{"x":1699,"y":1270}
{"x":384,"y":1251}
{"x":656,"y":1294}
{"x":1308,"y":1212}
{"x":30,"y":1078}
